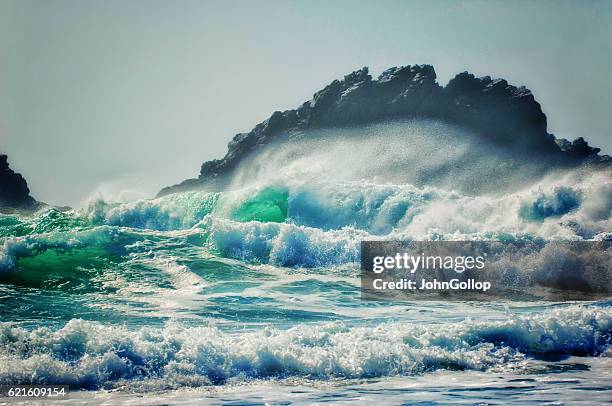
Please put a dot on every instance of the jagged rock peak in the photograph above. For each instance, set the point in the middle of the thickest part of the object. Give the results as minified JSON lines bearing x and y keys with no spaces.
{"x":501,"y":113}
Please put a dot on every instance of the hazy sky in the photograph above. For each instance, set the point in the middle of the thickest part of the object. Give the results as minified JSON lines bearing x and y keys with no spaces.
{"x":135,"y":95}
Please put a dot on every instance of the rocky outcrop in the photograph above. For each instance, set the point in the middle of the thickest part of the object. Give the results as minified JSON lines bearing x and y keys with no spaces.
{"x":14,"y":192}
{"x":503,"y":114}
{"x":580,"y":149}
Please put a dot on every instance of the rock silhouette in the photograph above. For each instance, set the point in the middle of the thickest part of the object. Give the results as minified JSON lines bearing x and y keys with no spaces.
{"x":14,"y":190}
{"x":505,"y":115}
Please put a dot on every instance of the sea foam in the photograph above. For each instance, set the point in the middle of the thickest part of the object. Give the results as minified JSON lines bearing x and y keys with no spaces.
{"x":90,"y":354}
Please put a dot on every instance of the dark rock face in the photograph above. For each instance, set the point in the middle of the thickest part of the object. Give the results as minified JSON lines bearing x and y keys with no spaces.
{"x":579,"y":148}
{"x":501,"y":113}
{"x":14,"y":192}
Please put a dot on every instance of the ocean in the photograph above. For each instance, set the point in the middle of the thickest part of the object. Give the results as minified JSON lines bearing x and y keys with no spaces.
{"x":252,"y":295}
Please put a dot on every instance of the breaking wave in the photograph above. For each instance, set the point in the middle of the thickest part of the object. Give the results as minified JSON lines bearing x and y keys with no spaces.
{"x":260,"y":279}
{"x":91,"y":355}
{"x":321,"y":223}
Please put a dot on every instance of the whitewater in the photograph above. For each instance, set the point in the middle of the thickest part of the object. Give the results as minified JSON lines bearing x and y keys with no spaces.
{"x":212,"y":295}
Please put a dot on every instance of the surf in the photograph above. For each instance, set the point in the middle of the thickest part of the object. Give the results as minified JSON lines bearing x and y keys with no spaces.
{"x":91,"y":355}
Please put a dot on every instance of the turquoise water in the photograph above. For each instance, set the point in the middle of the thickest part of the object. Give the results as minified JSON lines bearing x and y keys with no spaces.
{"x":260,"y":286}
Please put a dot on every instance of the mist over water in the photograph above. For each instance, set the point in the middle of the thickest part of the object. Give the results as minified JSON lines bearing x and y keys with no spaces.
{"x":260,"y":280}
{"x":415,"y":152}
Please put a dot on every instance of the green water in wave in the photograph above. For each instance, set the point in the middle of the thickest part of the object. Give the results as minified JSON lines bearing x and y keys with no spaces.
{"x":269,"y":205}
{"x":45,"y":222}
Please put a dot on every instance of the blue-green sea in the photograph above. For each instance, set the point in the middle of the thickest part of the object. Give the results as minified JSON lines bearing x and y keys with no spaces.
{"x":252,"y":295}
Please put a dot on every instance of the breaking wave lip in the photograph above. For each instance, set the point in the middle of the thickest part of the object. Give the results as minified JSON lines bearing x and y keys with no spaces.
{"x":282,"y":244}
{"x":90,"y":355}
{"x":172,"y":212}
{"x":576,"y":204}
